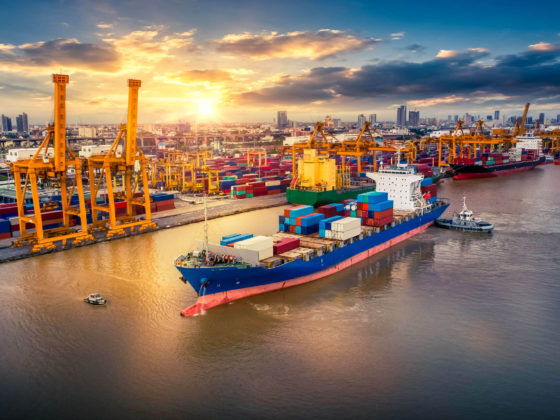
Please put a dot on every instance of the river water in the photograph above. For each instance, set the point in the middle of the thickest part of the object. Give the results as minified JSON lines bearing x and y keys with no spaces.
{"x":445,"y":325}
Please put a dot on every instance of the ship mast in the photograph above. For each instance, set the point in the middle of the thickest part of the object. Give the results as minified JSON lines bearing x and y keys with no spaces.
{"x":205,"y":226}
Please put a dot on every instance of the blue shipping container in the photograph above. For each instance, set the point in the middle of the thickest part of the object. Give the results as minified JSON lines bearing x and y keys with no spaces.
{"x":384,"y":205}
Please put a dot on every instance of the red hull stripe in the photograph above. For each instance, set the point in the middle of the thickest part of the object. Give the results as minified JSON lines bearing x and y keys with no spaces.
{"x":215,"y":299}
{"x":475,"y":175}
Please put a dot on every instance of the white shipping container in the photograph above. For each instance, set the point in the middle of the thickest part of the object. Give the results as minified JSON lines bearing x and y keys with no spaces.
{"x":272,"y":183}
{"x":346,"y":224}
{"x":343,"y":236}
{"x":262,"y":244}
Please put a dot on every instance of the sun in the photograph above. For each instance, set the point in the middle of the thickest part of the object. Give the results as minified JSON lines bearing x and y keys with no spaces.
{"x":205,"y":108}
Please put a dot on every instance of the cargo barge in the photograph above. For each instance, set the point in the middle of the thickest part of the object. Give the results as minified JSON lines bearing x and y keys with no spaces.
{"x":240,"y":267}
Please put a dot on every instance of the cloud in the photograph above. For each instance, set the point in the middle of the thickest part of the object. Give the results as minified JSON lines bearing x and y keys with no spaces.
{"x":104,"y":25}
{"x":397,"y":35}
{"x":479,"y":50}
{"x":544,"y":46}
{"x":447,"y":53}
{"x":415,"y":48}
{"x":450,"y":79}
{"x":315,"y":45}
{"x":64,"y":52}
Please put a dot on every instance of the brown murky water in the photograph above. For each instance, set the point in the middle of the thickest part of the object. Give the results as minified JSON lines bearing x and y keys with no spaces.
{"x":445,"y":325}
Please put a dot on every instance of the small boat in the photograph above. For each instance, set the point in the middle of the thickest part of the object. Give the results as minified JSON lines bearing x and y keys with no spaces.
{"x":465,"y":221}
{"x":95,"y":299}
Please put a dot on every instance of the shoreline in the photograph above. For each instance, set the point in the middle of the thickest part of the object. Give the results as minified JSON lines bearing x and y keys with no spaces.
{"x":165,"y":221}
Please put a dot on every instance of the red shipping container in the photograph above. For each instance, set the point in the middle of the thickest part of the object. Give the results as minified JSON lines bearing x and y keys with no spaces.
{"x":5,"y":235}
{"x":382,"y":222}
{"x":379,"y":215}
{"x":285,"y":245}
{"x":292,"y":229}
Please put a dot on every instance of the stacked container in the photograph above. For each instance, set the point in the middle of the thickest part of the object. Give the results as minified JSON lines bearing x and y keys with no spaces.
{"x":429,"y":190}
{"x":285,"y":245}
{"x":229,"y":240}
{"x":262,"y":244}
{"x":301,"y":220}
{"x":345,"y":228}
{"x":375,"y":209}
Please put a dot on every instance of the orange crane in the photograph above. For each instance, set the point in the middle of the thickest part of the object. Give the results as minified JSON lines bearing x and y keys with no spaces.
{"x":519,"y":129}
{"x":130,"y":168}
{"x":56,"y":168}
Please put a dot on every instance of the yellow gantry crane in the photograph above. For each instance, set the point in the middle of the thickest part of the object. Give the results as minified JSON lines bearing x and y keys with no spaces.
{"x":131,"y":168}
{"x":46,"y":168}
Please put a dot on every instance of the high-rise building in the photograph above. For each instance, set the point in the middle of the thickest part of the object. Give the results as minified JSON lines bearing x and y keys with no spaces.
{"x":19,"y":124}
{"x":456,"y":118}
{"x":449,"y":118}
{"x":337,"y":122}
{"x":558,"y":118}
{"x":25,"y":123}
{"x":497,"y":115}
{"x":413,"y":118}
{"x":401,"y":116}
{"x":373,"y":118}
{"x":489,"y":118}
{"x":529,"y":120}
{"x":541,"y":117}
{"x":282,"y":119}
{"x":361,"y":120}
{"x":6,"y":123}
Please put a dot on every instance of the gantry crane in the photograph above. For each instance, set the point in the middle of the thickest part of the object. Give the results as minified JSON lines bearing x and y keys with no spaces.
{"x":56,"y":169}
{"x":131,"y":168}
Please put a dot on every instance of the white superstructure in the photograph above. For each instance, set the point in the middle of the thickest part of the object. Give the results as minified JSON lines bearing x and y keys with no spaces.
{"x":402,"y":184}
{"x":529,"y":142}
{"x":94,"y":150}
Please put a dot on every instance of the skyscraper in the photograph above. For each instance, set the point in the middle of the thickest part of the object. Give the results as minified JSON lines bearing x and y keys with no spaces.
{"x":6,"y":123}
{"x":282,"y":119}
{"x":413,"y":118}
{"x":401,"y":116}
{"x":496,"y":115}
{"x":373,"y":118}
{"x":558,"y":118}
{"x":19,"y":124}
{"x":361,"y":120}
{"x":25,"y":123}
{"x":541,"y":117}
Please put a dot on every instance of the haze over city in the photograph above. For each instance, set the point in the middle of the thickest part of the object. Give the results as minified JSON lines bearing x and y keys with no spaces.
{"x":222,"y":61}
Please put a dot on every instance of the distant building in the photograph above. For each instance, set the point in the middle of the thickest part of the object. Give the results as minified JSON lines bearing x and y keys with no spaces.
{"x":372,"y":118}
{"x":449,"y":118}
{"x":19,"y":124}
{"x":6,"y":123}
{"x":529,"y":120}
{"x":489,"y":118}
{"x":282,"y":119}
{"x":25,"y":123}
{"x":337,"y":122}
{"x":361,"y":120}
{"x":541,"y":117}
{"x":87,"y":132}
{"x":497,"y":115}
{"x":401,"y":116}
{"x":413,"y":118}
{"x":456,"y":118}
{"x":558,"y":118}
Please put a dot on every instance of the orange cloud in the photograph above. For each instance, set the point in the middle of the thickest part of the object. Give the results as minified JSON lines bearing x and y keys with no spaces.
{"x":544,"y":46}
{"x":315,"y":45}
{"x":447,"y":54}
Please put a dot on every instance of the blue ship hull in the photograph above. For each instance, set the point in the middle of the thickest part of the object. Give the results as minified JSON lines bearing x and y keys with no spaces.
{"x":218,"y":285}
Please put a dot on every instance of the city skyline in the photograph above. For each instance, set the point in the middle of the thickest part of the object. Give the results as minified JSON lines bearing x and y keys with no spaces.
{"x":218,"y":62}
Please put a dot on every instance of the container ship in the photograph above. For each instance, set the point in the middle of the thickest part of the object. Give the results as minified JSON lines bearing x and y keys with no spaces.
{"x":312,"y":243}
{"x":526,"y":155}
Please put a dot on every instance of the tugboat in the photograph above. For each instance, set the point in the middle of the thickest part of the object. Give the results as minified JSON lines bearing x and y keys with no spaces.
{"x":95,"y":299}
{"x":465,"y":221}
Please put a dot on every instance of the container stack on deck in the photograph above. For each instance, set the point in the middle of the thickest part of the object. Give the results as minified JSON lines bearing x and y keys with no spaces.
{"x":301,"y":220}
{"x":429,"y":190}
{"x":262,"y":244}
{"x":375,"y":208}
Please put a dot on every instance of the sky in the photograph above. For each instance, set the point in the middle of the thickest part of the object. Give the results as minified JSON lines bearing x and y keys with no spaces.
{"x":242,"y":61}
